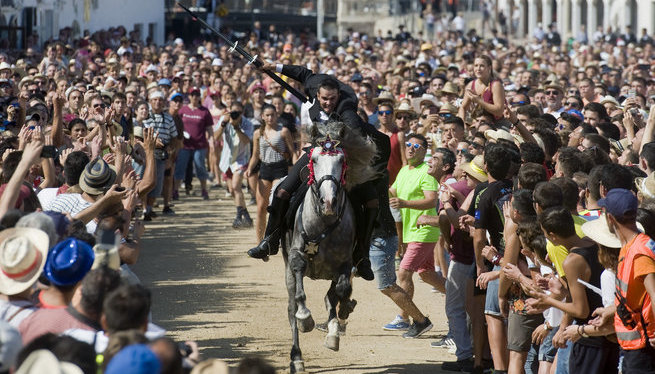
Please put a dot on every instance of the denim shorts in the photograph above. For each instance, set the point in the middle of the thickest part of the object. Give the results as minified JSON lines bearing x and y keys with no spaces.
{"x":546,"y":350}
{"x":491,"y":305}
{"x":383,"y":260}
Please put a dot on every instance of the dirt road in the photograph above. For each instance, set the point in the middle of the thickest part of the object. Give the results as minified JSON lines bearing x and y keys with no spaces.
{"x":206,"y":289}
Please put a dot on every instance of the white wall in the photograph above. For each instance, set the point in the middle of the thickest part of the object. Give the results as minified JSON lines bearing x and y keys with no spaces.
{"x":108,"y":13}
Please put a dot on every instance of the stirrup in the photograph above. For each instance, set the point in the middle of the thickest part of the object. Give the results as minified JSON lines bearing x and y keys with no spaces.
{"x":263,"y":250}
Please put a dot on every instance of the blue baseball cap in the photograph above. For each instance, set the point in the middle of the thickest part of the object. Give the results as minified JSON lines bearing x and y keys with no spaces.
{"x":176,"y":95}
{"x":576,"y":113}
{"x":164,"y":82}
{"x":619,"y":202}
{"x":134,"y":359}
{"x":68,"y":262}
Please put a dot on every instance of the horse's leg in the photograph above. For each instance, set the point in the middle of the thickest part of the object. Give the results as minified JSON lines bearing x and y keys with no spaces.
{"x":331,"y":301}
{"x":297,"y":265}
{"x":344,"y":290}
{"x":297,"y":364}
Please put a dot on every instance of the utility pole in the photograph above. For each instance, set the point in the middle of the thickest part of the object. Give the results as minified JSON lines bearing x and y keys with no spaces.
{"x":320,"y":17}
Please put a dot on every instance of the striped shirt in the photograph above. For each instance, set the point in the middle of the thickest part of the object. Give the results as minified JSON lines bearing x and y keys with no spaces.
{"x":73,"y":203}
{"x":163,"y":124}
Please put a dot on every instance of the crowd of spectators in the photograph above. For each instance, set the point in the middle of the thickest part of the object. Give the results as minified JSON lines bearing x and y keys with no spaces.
{"x":520,"y":180}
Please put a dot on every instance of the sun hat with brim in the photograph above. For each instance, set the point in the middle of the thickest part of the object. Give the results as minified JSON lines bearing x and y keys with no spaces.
{"x":97,"y":177}
{"x":598,"y":231}
{"x":448,"y":108}
{"x":498,"y":134}
{"x":44,"y":361}
{"x":449,"y":88}
{"x":134,"y":359}
{"x":475,"y":168}
{"x":4,"y":66}
{"x":609,"y":99}
{"x":405,"y":108}
{"x":68,"y":262}
{"x":23,"y":253}
{"x":425,"y":99}
{"x":555,"y":87}
{"x":138,"y":132}
{"x":384,"y":96}
{"x":646,"y":186}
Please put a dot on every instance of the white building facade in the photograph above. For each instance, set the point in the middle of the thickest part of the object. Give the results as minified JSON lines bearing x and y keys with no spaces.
{"x":47,"y":17}
{"x":574,"y":17}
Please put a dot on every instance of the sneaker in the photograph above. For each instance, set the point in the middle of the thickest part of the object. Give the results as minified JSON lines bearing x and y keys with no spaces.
{"x":236,"y":223}
{"x":205,"y":195}
{"x":459,"y":365}
{"x":443,"y":343}
{"x":167,"y":211}
{"x":176,"y":195}
{"x":153,"y":214}
{"x":418,"y":329}
{"x":398,"y":324}
{"x":147,"y":217}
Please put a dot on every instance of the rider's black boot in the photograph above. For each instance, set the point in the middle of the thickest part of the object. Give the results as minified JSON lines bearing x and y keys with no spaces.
{"x":269,"y":245}
{"x":361,"y":252}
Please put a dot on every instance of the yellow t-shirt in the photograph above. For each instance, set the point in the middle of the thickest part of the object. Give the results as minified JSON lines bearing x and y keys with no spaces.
{"x":557,"y":253}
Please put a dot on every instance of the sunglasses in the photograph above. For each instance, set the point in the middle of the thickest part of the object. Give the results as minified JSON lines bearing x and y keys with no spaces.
{"x":573,"y":104}
{"x":424,"y":116}
{"x":445,"y":115}
{"x":574,"y":92}
{"x":476,"y":145}
{"x":385,"y":112}
{"x":98,"y":105}
{"x":519,"y":103}
{"x":552,"y":92}
{"x":404,"y":116}
{"x":414,"y":145}
{"x":461,"y":151}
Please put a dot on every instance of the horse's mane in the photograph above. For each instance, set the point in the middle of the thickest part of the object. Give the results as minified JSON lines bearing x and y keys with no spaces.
{"x":359,"y":150}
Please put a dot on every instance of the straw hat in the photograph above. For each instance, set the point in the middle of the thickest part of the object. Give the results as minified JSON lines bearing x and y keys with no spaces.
{"x":425,"y":98}
{"x":44,"y":361}
{"x":475,"y":168}
{"x":450,"y":88}
{"x":97,"y":177}
{"x":23,"y":253}
{"x":646,"y":186}
{"x":384,"y":96}
{"x":448,"y":108}
{"x":498,"y":134}
{"x":598,"y":231}
{"x":405,"y":108}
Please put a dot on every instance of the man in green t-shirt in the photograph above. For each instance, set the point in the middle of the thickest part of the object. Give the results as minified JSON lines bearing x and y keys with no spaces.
{"x":414,"y":192}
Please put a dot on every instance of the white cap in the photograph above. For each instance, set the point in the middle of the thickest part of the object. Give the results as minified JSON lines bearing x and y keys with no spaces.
{"x":217,"y":62}
{"x":156,"y":94}
{"x":122,"y":50}
{"x":178,"y":41}
{"x":152,"y":67}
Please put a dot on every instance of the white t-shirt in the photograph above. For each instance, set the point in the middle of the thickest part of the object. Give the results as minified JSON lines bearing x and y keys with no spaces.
{"x":73,"y":203}
{"x":47,"y":196}
{"x":607,"y":287}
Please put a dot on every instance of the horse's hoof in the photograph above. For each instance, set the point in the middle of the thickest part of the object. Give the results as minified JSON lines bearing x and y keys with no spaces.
{"x":297,"y":367}
{"x":265,"y":259}
{"x":332,"y":342}
{"x":306,"y":325}
{"x":303,"y":313}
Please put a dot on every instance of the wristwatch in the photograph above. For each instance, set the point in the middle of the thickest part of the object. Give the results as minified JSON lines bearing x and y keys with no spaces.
{"x":547,"y":326}
{"x":581,"y":331}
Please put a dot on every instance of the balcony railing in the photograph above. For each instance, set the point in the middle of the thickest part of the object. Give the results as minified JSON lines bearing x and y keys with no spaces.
{"x":295,"y":7}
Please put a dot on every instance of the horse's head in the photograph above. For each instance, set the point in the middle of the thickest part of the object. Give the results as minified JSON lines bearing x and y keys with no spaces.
{"x":328,"y":166}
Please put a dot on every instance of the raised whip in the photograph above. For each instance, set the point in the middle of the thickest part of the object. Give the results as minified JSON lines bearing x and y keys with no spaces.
{"x":234,"y":46}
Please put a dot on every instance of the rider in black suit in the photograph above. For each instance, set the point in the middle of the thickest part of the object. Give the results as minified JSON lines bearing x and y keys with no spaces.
{"x":331,"y":100}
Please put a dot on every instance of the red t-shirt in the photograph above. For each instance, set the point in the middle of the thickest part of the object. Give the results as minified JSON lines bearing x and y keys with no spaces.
{"x":196,"y":122}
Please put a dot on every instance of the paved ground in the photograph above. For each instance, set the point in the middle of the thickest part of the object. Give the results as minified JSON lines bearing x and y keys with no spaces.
{"x":206,"y":289}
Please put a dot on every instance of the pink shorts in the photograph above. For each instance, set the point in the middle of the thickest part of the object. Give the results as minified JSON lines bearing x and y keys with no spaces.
{"x":419,"y":257}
